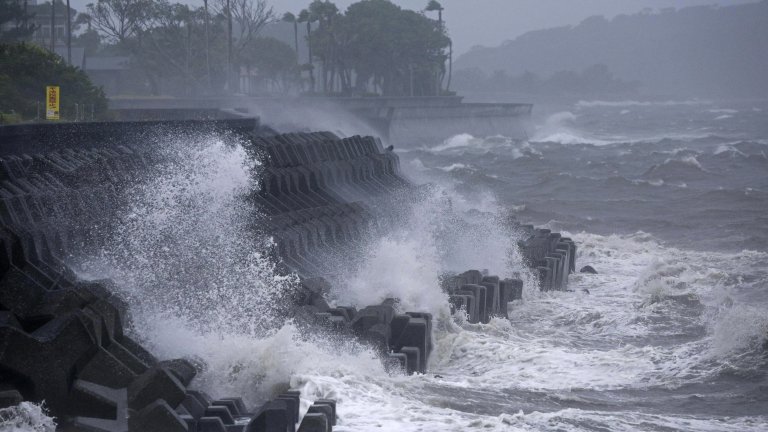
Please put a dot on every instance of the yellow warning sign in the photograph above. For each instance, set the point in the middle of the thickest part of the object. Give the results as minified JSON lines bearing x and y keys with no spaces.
{"x":52,"y":103}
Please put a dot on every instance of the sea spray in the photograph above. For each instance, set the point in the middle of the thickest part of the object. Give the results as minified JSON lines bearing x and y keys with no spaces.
{"x":186,"y":244}
{"x":26,"y":417}
{"x":440,"y":233}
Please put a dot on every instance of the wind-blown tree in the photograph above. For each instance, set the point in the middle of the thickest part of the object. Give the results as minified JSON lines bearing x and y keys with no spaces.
{"x":25,"y":71}
{"x":171,"y":47}
{"x":326,"y":39}
{"x":291,"y":18}
{"x":432,"y":6}
{"x":14,"y":21}
{"x":376,"y":45}
{"x":306,"y":17}
{"x":274,"y":64}
{"x":119,"y":20}
{"x":250,"y":17}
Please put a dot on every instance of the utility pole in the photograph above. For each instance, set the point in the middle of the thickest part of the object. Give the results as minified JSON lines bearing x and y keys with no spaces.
{"x":229,"y":46}
{"x":207,"y":48}
{"x":26,"y":17}
{"x":309,"y":54}
{"x":69,"y":35}
{"x":53,"y":25}
{"x":450,"y":65}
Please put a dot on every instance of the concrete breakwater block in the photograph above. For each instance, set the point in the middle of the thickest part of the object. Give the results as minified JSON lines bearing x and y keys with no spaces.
{"x":63,"y":342}
{"x":552,"y":256}
{"x":320,"y":191}
{"x":483,"y":300}
{"x":404,"y":341}
{"x":321,"y":197}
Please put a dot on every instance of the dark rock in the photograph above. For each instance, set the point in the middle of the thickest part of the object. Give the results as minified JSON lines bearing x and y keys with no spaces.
{"x":588,"y":269}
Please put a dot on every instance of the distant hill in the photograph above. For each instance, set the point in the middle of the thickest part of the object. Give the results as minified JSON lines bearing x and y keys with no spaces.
{"x":696,"y":51}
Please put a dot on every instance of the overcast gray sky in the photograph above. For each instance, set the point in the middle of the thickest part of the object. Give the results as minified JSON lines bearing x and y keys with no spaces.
{"x":490,"y":22}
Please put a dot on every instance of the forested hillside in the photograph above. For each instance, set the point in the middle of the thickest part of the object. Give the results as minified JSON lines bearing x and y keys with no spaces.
{"x":697,"y":51}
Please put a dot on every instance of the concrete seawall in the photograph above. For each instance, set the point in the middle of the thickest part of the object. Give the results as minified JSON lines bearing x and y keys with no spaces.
{"x":402,"y":121}
{"x":66,"y":340}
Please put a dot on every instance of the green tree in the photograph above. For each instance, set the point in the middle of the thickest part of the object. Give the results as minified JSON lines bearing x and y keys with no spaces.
{"x":249,"y":18}
{"x":273,"y":62}
{"x":25,"y":71}
{"x":291,"y":18}
{"x":14,"y":21}
{"x":326,"y":45}
{"x":391,"y":50}
{"x":119,"y":20}
{"x":306,"y":17}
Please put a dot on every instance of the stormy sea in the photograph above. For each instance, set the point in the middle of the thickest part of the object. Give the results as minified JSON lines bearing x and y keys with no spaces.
{"x":667,"y":201}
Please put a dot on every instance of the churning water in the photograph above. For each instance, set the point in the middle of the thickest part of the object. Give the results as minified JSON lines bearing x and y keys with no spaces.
{"x":668,"y":201}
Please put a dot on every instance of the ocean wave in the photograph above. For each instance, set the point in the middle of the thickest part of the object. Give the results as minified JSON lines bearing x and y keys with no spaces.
{"x":559,"y":128}
{"x":685,"y":168}
{"x":728,"y":149}
{"x":453,"y":167}
{"x":568,"y":138}
{"x":456,"y":141}
{"x":631,"y":103}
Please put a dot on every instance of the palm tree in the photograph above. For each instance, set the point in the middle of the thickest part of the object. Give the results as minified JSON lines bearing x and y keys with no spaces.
{"x":69,"y":34}
{"x":432,"y":6}
{"x":207,"y":48}
{"x":229,"y":83}
{"x":291,"y":18}
{"x":53,"y":25}
{"x":304,"y":16}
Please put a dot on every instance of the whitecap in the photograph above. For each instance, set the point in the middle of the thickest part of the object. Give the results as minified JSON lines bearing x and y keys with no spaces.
{"x":631,"y":103}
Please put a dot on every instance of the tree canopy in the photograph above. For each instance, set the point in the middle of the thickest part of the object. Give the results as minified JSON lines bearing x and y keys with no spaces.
{"x":25,"y":71}
{"x":14,"y":21}
{"x":376,"y":46}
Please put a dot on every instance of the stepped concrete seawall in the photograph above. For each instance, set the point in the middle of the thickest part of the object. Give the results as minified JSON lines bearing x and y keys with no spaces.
{"x":66,"y":340}
{"x":401,"y":121}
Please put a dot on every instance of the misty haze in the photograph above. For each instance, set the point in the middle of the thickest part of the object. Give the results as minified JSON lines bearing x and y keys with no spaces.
{"x":390,"y":215}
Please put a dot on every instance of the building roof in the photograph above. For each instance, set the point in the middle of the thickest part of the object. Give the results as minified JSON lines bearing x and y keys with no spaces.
{"x":106,"y":63}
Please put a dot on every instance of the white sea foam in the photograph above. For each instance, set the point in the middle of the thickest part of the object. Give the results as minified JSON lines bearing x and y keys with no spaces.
{"x":454,"y":142}
{"x":453,"y":167}
{"x":728,"y":148}
{"x":631,"y":103}
{"x":560,"y":128}
{"x":554,"y":342}
{"x":26,"y":417}
{"x":185,"y":245}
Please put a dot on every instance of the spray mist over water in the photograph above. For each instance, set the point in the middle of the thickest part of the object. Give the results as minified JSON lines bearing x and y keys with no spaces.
{"x":185,"y":245}
{"x":440,"y":233}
